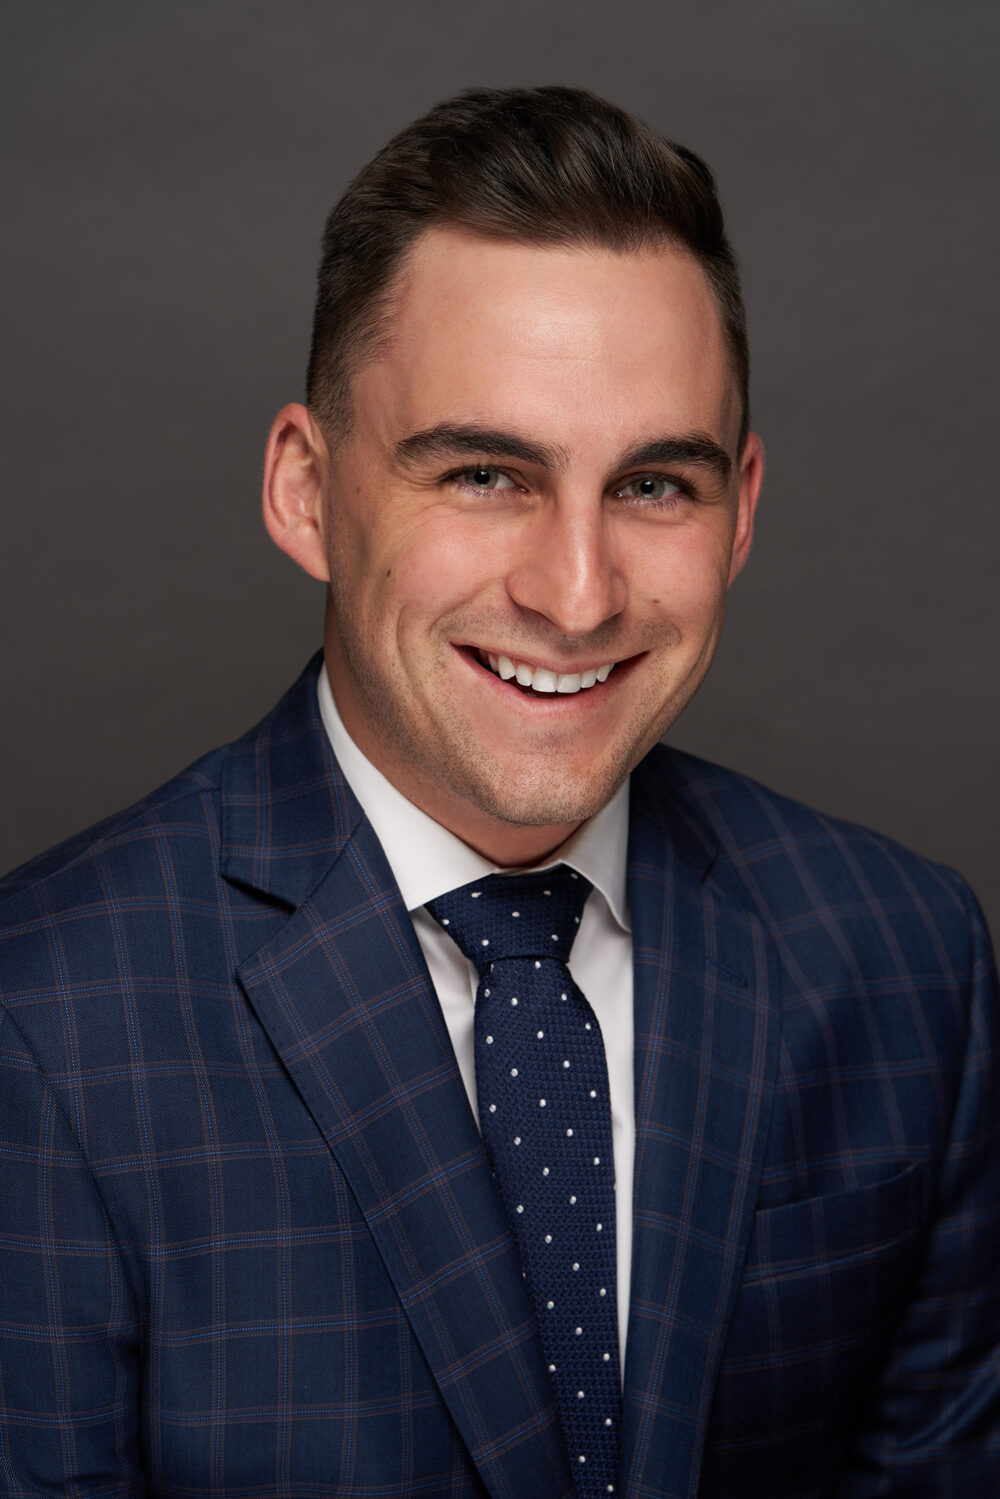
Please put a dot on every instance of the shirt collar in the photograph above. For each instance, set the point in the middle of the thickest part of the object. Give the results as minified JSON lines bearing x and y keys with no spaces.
{"x":427,"y":860}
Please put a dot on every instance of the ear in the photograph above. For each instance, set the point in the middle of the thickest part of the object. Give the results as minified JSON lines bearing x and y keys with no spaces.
{"x":751,"y":478}
{"x":296,"y":464}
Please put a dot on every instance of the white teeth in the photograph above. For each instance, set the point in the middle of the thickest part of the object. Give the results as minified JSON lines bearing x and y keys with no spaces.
{"x":541,"y":678}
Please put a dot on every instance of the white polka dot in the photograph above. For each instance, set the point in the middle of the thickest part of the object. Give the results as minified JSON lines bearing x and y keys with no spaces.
{"x":568,"y":1133}
{"x":540,"y":1034}
{"x":545,"y":1170}
{"x":599,"y":1227}
{"x":517,"y":1139}
{"x":566,"y":1062}
{"x":576,"y":1265}
{"x":537,"y":964}
{"x":486,"y":994}
{"x":603,"y":1291}
{"x":573,"y":876}
{"x":552,"y":1368}
{"x":577,"y":920}
{"x":562,"y":996}
{"x":546,"y":892}
{"x":578,"y":1330}
{"x":550,"y":1305}
{"x":581,"y":1458}
{"x":606,"y":1357}
{"x":513,"y":1072}
{"x":572,"y":1199}
{"x":597,"y":1160}
{"x":486,"y":941}
{"x":548,"y":1238}
{"x":607,"y":1422}
{"x":489,"y":1040}
{"x":593,"y":1092}
{"x":555,"y":936}
{"x":541,"y":1103}
{"x":515,"y":913}
{"x":493,"y":1108}
{"x":475,"y":894}
{"x":579,"y":1395}
{"x":520,"y":1207}
{"x":587,"y":1026}
{"x":445,"y":921}
{"x":513,"y":999}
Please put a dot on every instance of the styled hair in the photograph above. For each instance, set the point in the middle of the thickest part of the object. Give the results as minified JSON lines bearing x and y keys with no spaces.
{"x":539,"y":166}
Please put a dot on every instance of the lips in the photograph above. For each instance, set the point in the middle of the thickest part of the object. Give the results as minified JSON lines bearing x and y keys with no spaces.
{"x":541,"y":678}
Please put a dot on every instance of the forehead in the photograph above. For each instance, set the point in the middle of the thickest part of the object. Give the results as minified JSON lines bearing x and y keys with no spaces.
{"x":553,"y":339}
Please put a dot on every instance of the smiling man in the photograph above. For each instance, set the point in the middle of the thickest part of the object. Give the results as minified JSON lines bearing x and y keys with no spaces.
{"x":544,"y":467}
{"x":446,"y":1089}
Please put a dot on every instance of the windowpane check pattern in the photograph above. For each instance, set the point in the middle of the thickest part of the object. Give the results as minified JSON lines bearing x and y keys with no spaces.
{"x":545,"y":1116}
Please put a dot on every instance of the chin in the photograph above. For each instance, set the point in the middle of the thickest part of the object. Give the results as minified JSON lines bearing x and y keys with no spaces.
{"x":541,"y":799}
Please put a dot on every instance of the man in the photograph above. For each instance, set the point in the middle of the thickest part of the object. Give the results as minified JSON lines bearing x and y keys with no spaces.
{"x":324,"y":1172}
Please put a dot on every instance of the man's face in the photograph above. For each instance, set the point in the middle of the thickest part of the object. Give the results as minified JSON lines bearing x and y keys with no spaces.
{"x":542,"y":475}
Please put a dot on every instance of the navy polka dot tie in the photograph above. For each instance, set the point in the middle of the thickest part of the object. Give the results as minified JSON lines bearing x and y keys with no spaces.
{"x":545,"y":1116}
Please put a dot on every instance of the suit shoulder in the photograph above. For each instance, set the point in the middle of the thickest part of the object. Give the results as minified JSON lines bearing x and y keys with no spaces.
{"x":792,"y":858}
{"x":136,"y":881}
{"x":121,"y":846}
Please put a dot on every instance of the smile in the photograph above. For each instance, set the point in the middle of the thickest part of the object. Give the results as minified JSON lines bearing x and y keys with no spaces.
{"x":541,"y":678}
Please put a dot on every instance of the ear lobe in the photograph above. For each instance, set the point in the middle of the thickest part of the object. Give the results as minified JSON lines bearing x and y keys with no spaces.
{"x":751,"y":479}
{"x":296,"y":463}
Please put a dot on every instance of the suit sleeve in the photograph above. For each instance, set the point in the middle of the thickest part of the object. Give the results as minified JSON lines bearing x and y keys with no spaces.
{"x":931,"y":1427}
{"x":69,"y":1364}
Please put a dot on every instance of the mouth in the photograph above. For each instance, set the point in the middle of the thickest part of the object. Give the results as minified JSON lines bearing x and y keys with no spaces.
{"x":540,"y":681}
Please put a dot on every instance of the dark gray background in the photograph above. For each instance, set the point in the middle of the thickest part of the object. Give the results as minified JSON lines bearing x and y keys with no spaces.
{"x":171,"y":168}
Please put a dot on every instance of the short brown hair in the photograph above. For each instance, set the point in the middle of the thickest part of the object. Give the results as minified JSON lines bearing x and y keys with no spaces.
{"x":552,"y":165}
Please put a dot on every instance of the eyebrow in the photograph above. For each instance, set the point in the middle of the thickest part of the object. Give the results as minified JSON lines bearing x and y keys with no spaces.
{"x":449,"y":441}
{"x":688,"y":448}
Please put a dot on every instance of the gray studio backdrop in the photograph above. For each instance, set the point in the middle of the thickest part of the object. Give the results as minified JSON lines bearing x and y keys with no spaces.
{"x":171,"y":166}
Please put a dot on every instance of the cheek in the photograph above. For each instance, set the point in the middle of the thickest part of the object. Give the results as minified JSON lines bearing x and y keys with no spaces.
{"x":439,"y":566}
{"x":377,"y":552}
{"x":686,"y":578}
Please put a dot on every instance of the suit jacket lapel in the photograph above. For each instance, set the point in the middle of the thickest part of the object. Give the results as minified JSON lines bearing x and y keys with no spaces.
{"x":706,"y":1047}
{"x":345,"y":997}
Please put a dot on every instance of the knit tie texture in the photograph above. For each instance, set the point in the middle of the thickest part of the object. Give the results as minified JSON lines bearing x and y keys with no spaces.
{"x":545,"y":1116}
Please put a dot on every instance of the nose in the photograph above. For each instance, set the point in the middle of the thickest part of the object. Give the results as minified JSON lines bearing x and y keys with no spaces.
{"x":566,"y":569}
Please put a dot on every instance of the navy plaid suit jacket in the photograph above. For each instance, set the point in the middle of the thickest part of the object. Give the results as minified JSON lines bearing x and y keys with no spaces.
{"x":250,"y":1243}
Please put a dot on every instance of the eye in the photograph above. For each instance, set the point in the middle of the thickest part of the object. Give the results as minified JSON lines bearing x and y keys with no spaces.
{"x":482,"y":477}
{"x":651,"y":487}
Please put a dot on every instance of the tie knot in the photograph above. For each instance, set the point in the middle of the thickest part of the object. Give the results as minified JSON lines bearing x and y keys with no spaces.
{"x":514,"y":915}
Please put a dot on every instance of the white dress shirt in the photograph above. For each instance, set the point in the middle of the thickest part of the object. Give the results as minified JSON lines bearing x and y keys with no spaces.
{"x":427,"y":860}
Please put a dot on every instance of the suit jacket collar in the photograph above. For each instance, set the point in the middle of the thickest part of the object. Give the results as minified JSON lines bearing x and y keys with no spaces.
{"x":345,"y":996}
{"x":287,"y":812}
